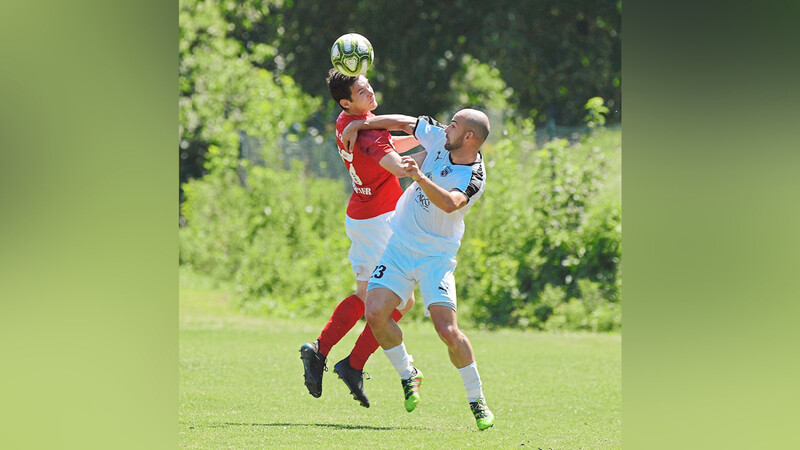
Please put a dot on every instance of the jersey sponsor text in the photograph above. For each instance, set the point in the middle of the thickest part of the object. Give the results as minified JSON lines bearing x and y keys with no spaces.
{"x":362,"y":191}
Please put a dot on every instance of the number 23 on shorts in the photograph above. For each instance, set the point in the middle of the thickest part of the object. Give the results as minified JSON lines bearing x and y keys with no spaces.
{"x":378,"y":272}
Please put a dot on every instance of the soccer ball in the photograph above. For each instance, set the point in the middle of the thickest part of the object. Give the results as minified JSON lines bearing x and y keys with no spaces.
{"x":352,"y":54}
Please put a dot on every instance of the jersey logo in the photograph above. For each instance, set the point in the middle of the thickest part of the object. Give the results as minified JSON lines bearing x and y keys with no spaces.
{"x":446,"y":170}
{"x":422,"y":199}
{"x":438,"y":156}
{"x":442,"y":288}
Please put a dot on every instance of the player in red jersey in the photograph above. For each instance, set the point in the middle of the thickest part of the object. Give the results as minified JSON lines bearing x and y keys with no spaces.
{"x":374,"y":165}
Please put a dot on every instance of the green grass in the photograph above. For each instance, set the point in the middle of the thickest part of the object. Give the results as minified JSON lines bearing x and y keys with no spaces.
{"x":241,"y":386}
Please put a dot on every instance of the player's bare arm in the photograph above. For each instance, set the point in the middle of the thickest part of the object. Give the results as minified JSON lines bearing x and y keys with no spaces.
{"x":447,"y":201}
{"x":403,"y":144}
{"x":392,"y":122}
{"x":393,"y":164}
{"x":419,"y":157}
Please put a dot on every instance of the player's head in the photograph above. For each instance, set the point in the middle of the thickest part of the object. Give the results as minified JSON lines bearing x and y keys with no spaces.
{"x":353,"y":94}
{"x":469,"y":127}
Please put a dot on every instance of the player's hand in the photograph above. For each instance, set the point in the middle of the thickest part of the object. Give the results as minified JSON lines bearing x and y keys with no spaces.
{"x":349,"y":135}
{"x":411,"y":168}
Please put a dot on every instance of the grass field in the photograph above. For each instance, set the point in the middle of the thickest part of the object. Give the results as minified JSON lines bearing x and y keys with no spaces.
{"x":241,"y":386}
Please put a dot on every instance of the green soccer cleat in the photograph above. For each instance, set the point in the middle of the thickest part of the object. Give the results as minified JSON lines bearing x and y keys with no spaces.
{"x":411,"y":389}
{"x":483,"y":416}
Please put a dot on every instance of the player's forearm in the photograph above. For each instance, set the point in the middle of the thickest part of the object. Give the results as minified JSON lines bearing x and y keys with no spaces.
{"x":393,"y":122}
{"x":447,"y":201}
{"x":393,"y":164}
{"x":397,"y":122}
{"x":403,"y":144}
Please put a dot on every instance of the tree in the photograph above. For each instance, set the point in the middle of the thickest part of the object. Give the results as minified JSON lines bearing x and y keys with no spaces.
{"x":224,"y":94}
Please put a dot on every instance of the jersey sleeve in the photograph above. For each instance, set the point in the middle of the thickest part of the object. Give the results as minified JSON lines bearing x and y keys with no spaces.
{"x":429,"y":132}
{"x":474,"y":185}
{"x":375,"y":143}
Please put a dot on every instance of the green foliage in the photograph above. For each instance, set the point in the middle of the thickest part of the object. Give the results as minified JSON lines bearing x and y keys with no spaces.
{"x":223,"y":91}
{"x":279,"y":237}
{"x":554,"y":54}
{"x":479,"y":86}
{"x":212,"y":240}
{"x":542,"y":246}
{"x":595,"y":112}
{"x":541,"y":250}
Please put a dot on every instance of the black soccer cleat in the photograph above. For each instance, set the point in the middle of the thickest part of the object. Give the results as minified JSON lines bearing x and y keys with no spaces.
{"x":313,"y":366}
{"x":354,"y":379}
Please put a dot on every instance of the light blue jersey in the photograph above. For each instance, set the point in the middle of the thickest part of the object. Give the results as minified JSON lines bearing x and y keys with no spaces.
{"x":419,"y":224}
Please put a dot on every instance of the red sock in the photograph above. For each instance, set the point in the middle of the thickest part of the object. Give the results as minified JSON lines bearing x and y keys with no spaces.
{"x":366,"y":345}
{"x":344,"y":316}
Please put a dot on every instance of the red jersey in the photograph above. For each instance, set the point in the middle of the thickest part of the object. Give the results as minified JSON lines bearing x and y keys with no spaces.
{"x":375,"y":189}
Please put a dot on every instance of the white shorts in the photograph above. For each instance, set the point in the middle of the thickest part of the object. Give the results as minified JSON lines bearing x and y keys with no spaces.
{"x":368,"y":238}
{"x":401,"y":269}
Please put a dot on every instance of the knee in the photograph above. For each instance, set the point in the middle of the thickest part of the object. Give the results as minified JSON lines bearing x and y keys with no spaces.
{"x":380,"y":304}
{"x":375,"y":315}
{"x":371,"y":315}
{"x":450,"y":334}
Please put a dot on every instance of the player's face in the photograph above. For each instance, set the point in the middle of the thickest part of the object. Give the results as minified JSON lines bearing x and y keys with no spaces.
{"x":362,"y":96}
{"x":454,"y":134}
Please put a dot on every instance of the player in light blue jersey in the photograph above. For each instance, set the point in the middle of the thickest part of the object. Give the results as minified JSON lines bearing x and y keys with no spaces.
{"x":428,"y":224}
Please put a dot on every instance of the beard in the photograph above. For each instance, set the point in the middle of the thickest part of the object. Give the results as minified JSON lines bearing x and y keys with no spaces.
{"x":450,"y":146}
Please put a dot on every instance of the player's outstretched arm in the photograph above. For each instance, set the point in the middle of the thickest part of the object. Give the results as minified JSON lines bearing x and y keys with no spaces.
{"x":403,"y":144}
{"x":396,"y":122}
{"x":447,"y":201}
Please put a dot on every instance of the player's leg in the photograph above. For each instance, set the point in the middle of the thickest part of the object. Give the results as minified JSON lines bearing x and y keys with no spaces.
{"x":439,"y":290}
{"x":438,"y":287}
{"x":463,"y":358}
{"x":315,"y":354}
{"x":381,"y":303}
{"x":458,"y":346}
{"x":351,"y":369}
{"x":344,"y":317}
{"x":372,"y":236}
{"x":366,"y":344}
{"x":375,"y":240}
{"x":364,"y":236}
{"x":391,"y":281}
{"x":346,"y":313}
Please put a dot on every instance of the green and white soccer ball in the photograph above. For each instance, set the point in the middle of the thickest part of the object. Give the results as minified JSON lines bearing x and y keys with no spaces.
{"x":352,"y":54}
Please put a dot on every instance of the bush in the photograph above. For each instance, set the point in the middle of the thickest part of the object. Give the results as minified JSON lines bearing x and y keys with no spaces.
{"x":280,"y":237}
{"x":541,"y":250}
{"x":542,"y":247}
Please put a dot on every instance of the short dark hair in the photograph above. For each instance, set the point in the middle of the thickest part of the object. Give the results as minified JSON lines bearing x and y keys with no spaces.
{"x":339,"y":86}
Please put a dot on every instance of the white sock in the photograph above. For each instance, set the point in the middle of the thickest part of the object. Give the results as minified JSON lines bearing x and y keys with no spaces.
{"x":401,"y":361}
{"x":472,"y":381}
